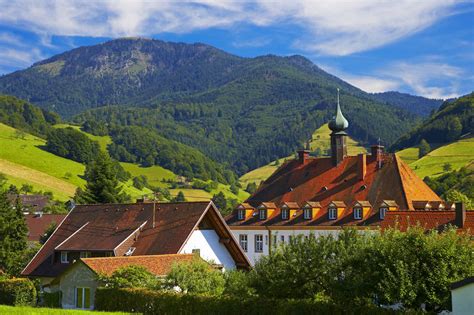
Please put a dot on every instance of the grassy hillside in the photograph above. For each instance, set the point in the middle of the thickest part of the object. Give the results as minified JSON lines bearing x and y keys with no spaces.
{"x":319,"y":139}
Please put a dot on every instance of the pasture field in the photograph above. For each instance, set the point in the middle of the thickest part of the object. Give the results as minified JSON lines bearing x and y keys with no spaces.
{"x":25,"y":310}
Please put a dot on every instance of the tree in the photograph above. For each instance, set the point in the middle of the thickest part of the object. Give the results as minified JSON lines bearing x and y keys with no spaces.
{"x":234,"y":189}
{"x":238,"y":283}
{"x":447,"y":167}
{"x":26,"y":188}
{"x":454,"y":129}
{"x":220,"y":201}
{"x":251,"y":187}
{"x":13,"y":235}
{"x":48,"y":232}
{"x":456,"y":196}
{"x":424,"y":148}
{"x":179,"y":197}
{"x":197,"y":277}
{"x":102,"y":183}
{"x":131,"y":277}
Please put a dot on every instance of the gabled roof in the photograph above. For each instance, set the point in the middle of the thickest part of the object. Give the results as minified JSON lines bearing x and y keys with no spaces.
{"x":300,"y":182}
{"x":111,"y":224}
{"x":291,"y":205}
{"x":312,"y":204}
{"x":268,"y":205}
{"x":245,"y":206}
{"x":389,"y":203}
{"x":339,"y":204}
{"x":159,"y":265}
{"x":30,"y":202}
{"x":37,"y":224}
{"x":362,"y":203}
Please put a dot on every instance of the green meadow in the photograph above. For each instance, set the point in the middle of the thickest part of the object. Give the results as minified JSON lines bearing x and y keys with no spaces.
{"x":25,"y":310}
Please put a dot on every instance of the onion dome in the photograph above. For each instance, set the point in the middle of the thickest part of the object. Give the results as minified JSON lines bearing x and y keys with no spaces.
{"x":339,"y":123}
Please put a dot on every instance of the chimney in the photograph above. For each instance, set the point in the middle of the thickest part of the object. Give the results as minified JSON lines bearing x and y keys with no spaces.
{"x":303,"y":156}
{"x":460,"y":216}
{"x":377,"y":150}
{"x":361,"y":166}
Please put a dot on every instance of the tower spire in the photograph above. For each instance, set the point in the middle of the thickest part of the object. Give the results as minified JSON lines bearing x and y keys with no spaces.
{"x":338,"y":125}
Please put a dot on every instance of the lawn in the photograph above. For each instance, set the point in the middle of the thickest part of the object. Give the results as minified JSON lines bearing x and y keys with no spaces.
{"x":102,"y":140}
{"x":155,"y":174}
{"x":408,"y":155}
{"x":24,"y":310}
{"x":320,"y":139}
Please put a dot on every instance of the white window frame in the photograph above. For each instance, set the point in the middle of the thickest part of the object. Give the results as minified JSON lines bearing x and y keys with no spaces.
{"x":357,"y":213}
{"x":307,"y":213}
{"x":85,"y":254}
{"x":383,"y":212}
{"x":262,"y":214}
{"x":64,"y":258}
{"x":241,"y":214}
{"x":332,"y":213}
{"x":285,"y":213}
{"x":243,"y":242}
{"x":259,"y":243}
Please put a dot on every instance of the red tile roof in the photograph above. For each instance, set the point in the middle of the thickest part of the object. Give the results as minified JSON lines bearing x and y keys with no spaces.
{"x":429,"y":219}
{"x":291,"y":205}
{"x":108,"y":224}
{"x":37,"y":224}
{"x":159,"y":265}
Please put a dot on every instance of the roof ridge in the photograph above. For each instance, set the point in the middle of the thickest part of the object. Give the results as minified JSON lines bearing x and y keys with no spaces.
{"x":128,"y":257}
{"x":397,"y":164}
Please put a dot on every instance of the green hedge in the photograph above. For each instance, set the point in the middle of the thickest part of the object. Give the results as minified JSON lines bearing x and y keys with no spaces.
{"x":17,"y":291}
{"x":155,"y":302}
{"x":52,"y":300}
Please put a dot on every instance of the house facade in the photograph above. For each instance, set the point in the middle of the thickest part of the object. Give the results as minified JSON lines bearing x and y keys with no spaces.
{"x":320,"y":196}
{"x":139,"y":229}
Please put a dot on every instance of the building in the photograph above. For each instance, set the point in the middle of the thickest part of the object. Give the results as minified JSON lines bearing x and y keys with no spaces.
{"x":79,"y":281}
{"x":38,"y":223}
{"x":322,"y":195}
{"x":138,"y":229}
{"x":462,"y":293}
{"x":30,"y":203}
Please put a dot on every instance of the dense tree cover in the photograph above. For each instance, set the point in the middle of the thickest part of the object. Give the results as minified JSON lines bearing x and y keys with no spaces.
{"x":102,"y":183}
{"x":24,"y":116}
{"x":72,"y":144}
{"x":413,"y":268}
{"x":244,"y":112}
{"x":418,"y":105}
{"x":424,"y":148}
{"x":453,"y":119}
{"x":136,"y":144}
{"x":455,"y":185}
{"x":13,"y":234}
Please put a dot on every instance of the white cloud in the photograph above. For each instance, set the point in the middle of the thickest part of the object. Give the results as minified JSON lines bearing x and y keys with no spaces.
{"x":12,"y":57}
{"x":255,"y":42}
{"x":330,"y":27}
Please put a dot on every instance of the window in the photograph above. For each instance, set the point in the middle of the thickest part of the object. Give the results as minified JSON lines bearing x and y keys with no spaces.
{"x":196,"y":251}
{"x":282,"y":238}
{"x":382,"y":212}
{"x":290,"y":238}
{"x":284,"y":214}
{"x":307,"y":213}
{"x":332,"y":213}
{"x":262,"y":214}
{"x":85,"y":254}
{"x":259,"y":243}
{"x":241,"y":214}
{"x":243,"y":242}
{"x":358,"y":213}
{"x":64,"y":258}
{"x":83,"y":298}
{"x":109,"y":254}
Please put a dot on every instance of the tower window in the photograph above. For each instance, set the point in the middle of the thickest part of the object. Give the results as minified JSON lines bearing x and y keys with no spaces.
{"x":358,"y":213}
{"x":332,"y":212}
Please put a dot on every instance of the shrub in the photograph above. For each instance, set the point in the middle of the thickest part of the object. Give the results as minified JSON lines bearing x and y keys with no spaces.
{"x":52,"y":299}
{"x":17,"y":291}
{"x":131,"y":277}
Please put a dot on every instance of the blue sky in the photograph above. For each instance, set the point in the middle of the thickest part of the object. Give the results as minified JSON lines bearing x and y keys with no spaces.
{"x":419,"y":47}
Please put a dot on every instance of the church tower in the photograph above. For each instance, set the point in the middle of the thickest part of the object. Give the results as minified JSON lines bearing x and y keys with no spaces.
{"x":338,"y":125}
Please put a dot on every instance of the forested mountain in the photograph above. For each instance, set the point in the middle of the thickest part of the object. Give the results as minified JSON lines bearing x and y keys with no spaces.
{"x":449,"y":123}
{"x":418,"y":105}
{"x":244,"y":112}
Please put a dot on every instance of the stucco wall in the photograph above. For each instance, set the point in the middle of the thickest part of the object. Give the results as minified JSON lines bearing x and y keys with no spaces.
{"x":78,"y":276}
{"x":207,"y":241}
{"x":463,"y":300}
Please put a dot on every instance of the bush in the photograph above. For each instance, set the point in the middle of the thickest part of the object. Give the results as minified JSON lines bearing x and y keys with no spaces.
{"x":17,"y":291}
{"x":52,"y":300}
{"x":131,"y":277}
{"x":153,"y":302}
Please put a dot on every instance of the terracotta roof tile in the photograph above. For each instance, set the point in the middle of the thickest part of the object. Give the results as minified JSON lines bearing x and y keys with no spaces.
{"x":269,"y":205}
{"x":430,"y":219}
{"x":389,"y":203}
{"x":313,"y":204}
{"x":37,"y":224}
{"x":363,"y":203}
{"x":291,"y":205}
{"x":159,"y":265}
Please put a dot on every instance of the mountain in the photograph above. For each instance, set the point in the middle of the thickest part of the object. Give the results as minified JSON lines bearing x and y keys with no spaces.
{"x":453,"y":119}
{"x":418,"y":105}
{"x":243,"y":112}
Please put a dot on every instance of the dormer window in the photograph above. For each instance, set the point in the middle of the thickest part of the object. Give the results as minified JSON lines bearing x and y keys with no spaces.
{"x":307,"y":213}
{"x":241,"y":214}
{"x":64,"y":258}
{"x":262,"y":214}
{"x":357,"y":213}
{"x":332,"y":213}
{"x":284,"y":213}
{"x":382,"y":212}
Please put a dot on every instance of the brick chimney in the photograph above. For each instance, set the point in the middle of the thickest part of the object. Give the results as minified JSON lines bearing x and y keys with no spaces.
{"x":303,"y":156}
{"x":460,"y":216}
{"x":376,"y":150}
{"x":361,"y":166}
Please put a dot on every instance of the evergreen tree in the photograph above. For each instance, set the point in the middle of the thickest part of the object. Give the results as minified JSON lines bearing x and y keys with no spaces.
{"x":102,"y":183}
{"x":424,"y":148}
{"x":179,"y":197}
{"x":454,"y":129}
{"x":251,"y":188}
{"x":220,"y":201}
{"x":13,"y":235}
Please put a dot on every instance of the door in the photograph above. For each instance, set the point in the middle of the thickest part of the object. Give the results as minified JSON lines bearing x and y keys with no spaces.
{"x":83,"y":298}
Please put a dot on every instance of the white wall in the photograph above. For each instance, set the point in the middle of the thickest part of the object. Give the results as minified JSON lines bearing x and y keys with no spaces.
{"x":207,"y":241}
{"x":463,"y":300}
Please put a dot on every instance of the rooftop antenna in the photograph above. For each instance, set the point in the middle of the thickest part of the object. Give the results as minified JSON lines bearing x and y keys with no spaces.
{"x":379,"y":154}
{"x":154,"y":209}
{"x":337,"y":96}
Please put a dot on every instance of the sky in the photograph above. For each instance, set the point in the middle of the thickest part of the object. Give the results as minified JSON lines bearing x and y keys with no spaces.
{"x":421,"y":47}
